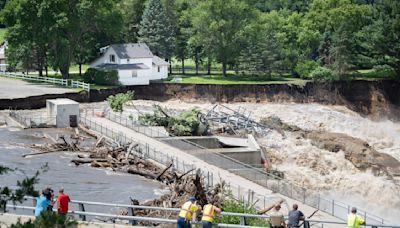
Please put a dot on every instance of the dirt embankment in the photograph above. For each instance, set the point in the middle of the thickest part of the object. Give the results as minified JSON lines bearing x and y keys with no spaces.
{"x":357,"y":151}
{"x":377,"y":99}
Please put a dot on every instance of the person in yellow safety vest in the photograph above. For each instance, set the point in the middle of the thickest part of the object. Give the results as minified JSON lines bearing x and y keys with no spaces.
{"x":186,"y":213}
{"x":354,"y":220}
{"x":209,"y":212}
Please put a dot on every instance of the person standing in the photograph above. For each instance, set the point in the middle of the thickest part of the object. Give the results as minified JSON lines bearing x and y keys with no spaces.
{"x":277,"y":219}
{"x":187,"y":210}
{"x":42,"y":203}
{"x":295,"y":216}
{"x":209,"y":212}
{"x":62,"y":202}
{"x":354,"y":220}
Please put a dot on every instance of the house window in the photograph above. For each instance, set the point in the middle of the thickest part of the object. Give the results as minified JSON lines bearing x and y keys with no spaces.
{"x":134,"y":74}
{"x":112,"y":58}
{"x":158,"y":69}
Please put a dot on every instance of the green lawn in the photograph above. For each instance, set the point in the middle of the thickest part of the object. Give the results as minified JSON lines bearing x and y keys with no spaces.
{"x":2,"y":34}
{"x":75,"y":68}
{"x":234,"y":79}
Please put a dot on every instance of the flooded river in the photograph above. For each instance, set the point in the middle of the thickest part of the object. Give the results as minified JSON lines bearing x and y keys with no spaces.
{"x":80,"y":182}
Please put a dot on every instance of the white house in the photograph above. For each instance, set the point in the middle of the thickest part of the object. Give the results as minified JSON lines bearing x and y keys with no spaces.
{"x":135,"y":63}
{"x":3,"y":59}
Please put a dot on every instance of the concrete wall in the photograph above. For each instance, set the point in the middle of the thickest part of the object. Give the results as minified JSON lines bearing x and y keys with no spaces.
{"x":64,"y":112}
{"x":248,"y":157}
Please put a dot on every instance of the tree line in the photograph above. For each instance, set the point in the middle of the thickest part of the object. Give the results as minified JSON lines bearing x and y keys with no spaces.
{"x":306,"y":38}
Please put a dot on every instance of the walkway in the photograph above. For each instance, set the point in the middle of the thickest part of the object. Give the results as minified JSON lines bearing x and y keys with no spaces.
{"x":225,"y":175}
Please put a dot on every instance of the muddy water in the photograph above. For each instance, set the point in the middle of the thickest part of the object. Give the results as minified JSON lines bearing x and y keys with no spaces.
{"x":80,"y":182}
{"x":329,"y":173}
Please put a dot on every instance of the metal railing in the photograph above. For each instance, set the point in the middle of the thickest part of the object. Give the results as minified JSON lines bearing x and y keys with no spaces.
{"x":30,"y":121}
{"x":83,"y":214}
{"x":274,"y":183}
{"x":257,"y":175}
{"x":135,"y":125}
{"x":51,"y":80}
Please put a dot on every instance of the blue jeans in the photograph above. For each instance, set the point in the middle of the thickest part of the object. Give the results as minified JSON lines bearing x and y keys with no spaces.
{"x":182,"y":223}
{"x":206,"y":224}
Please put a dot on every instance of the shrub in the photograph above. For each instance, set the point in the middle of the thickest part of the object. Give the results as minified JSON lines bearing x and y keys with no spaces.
{"x":186,"y":123}
{"x":101,"y":77}
{"x":117,"y":102}
{"x":384,"y":71}
{"x":305,"y":68}
{"x":323,"y":73}
{"x":239,"y":206}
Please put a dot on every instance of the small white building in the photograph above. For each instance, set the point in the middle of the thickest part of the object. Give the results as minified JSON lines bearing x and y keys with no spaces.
{"x":65,"y":111}
{"x":135,"y":63}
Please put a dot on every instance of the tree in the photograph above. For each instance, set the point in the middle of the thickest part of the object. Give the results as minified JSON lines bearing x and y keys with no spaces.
{"x":156,"y":30}
{"x":218,"y":27}
{"x":133,"y":11}
{"x":263,"y":51}
{"x":57,"y":32}
{"x":24,"y":187}
{"x":385,"y":33}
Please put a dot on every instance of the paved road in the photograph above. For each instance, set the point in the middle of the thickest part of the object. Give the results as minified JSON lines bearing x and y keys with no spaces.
{"x":13,"y":88}
{"x":229,"y":177}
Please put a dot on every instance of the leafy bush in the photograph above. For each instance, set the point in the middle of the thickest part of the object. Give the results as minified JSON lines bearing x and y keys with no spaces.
{"x":384,"y":71}
{"x":101,"y":77}
{"x":305,"y":68}
{"x":323,"y":73}
{"x":116,"y":102}
{"x":184,"y":124}
{"x":48,"y":219}
{"x":232,"y":205}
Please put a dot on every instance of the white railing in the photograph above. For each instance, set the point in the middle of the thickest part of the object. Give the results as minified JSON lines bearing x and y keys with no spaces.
{"x":79,"y":84}
{"x":51,"y":80}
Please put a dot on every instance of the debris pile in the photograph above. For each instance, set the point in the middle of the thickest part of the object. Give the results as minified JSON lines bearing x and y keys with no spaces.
{"x":125,"y":158}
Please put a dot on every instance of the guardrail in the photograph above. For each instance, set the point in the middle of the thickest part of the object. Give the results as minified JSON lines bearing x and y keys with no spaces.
{"x":51,"y":80}
{"x":82,"y":213}
{"x":257,"y":175}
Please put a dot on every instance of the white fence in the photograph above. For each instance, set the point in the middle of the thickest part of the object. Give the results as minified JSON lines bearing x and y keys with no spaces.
{"x":79,"y":84}
{"x":51,"y":80}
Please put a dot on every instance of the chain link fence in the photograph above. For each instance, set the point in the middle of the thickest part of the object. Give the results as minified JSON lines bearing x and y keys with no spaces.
{"x":31,"y":121}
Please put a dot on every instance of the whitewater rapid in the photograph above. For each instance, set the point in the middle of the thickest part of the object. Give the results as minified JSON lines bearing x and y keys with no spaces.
{"x":309,"y":166}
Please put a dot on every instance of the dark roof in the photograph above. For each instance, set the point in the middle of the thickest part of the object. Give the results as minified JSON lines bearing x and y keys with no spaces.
{"x":133,"y":66}
{"x":132,"y":50}
{"x":159,"y":61}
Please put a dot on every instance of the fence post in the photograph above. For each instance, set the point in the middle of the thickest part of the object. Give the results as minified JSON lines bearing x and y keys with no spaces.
{"x":242,"y":220}
{"x":131,"y":212}
{"x":82,"y":208}
{"x":333,"y":207}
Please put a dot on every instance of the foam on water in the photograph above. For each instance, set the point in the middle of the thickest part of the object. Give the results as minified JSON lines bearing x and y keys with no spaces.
{"x":321,"y":170}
